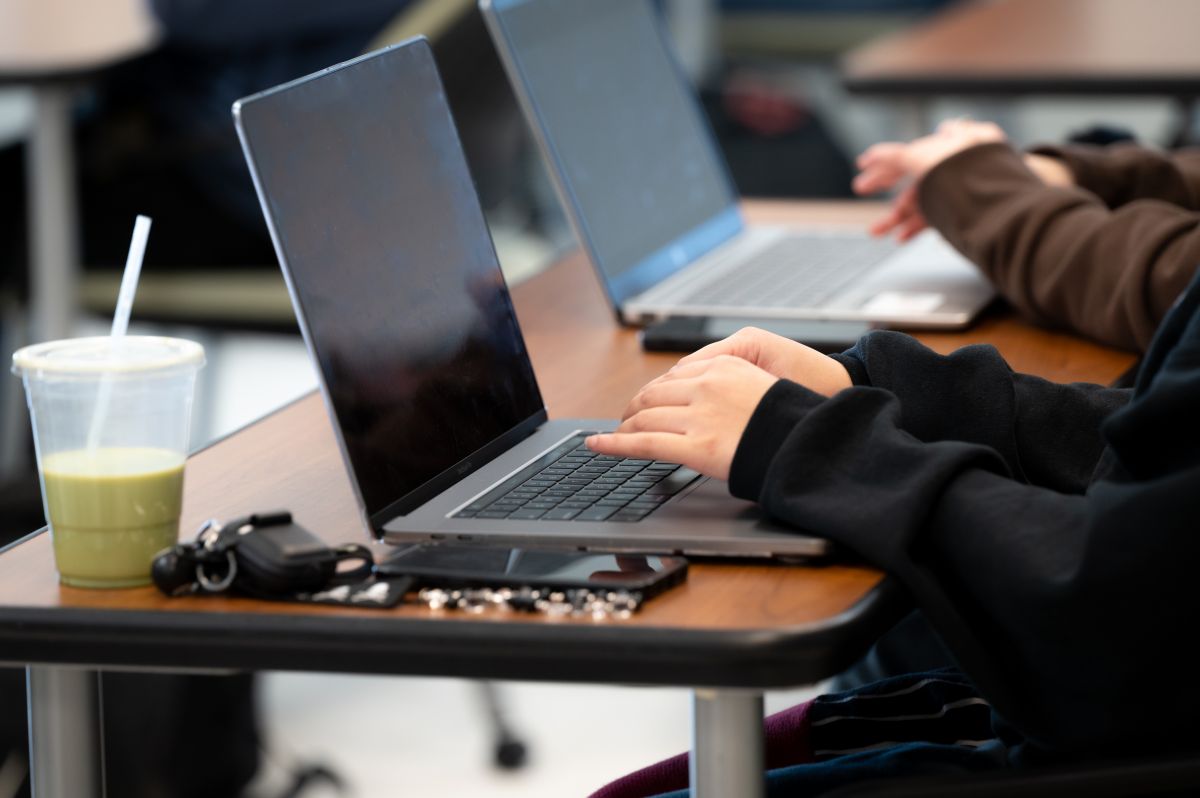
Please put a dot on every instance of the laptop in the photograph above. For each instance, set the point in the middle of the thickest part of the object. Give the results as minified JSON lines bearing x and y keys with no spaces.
{"x":650,"y":198}
{"x":422,"y":365}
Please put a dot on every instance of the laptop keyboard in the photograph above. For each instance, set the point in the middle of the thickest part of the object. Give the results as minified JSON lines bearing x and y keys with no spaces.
{"x":573,"y":483}
{"x":795,"y":271}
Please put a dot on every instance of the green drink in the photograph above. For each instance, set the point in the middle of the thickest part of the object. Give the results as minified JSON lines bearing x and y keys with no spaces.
{"x":111,"y":510}
{"x":110,"y":425}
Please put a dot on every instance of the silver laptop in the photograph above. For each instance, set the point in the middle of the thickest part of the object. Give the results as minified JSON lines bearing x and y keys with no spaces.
{"x":423,"y":368}
{"x":650,"y":198}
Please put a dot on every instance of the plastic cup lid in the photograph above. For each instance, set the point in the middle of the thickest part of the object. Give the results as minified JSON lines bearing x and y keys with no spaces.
{"x":105,"y":355}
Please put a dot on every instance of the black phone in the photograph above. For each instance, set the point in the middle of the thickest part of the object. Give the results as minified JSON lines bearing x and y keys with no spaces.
{"x":689,"y":333}
{"x":438,"y":565}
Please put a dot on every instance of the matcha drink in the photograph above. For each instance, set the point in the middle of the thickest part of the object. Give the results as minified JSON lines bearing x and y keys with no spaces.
{"x":111,"y":510}
{"x":110,"y":425}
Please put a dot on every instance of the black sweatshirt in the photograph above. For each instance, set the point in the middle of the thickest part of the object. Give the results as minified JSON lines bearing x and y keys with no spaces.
{"x":1051,"y":533}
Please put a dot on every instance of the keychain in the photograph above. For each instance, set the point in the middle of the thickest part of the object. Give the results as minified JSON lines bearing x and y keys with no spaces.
{"x":599,"y":605}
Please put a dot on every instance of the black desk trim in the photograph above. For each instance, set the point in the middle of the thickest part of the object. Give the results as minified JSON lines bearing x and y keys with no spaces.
{"x":539,"y":651}
{"x":1183,"y":86}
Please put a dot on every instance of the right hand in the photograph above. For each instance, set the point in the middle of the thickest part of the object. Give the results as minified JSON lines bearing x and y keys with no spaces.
{"x":780,"y":357}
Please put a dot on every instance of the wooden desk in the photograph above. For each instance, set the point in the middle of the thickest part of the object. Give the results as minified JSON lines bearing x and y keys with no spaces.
{"x":737,"y":628}
{"x":1010,"y":48}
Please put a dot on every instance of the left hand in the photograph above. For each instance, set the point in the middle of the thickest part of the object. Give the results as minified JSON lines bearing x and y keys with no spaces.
{"x":890,"y":164}
{"x":694,"y":414}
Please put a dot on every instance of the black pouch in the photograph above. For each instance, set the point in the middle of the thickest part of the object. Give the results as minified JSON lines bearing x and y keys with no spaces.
{"x":270,"y":556}
{"x":286,"y":558}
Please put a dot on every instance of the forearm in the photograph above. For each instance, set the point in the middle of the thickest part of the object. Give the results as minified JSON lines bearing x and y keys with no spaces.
{"x":1047,"y":434}
{"x":1058,"y":254}
{"x":1122,"y":173}
{"x":1024,"y":584}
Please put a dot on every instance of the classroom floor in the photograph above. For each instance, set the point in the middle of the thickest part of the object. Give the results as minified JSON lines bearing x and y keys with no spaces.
{"x":420,"y":736}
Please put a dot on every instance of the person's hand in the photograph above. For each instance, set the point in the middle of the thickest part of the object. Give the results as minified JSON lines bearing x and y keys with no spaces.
{"x":780,"y":357}
{"x":694,"y":414}
{"x":896,"y":165}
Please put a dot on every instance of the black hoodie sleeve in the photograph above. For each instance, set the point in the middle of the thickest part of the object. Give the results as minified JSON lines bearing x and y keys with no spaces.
{"x":1047,"y":434}
{"x":1064,"y":607}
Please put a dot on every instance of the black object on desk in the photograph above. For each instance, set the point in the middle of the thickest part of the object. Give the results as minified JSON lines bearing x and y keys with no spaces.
{"x":689,"y":333}
{"x":491,"y":566}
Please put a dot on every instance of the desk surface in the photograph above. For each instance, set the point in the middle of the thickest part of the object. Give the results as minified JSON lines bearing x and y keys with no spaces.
{"x":44,"y":38}
{"x":1043,"y":46}
{"x":728,"y":625}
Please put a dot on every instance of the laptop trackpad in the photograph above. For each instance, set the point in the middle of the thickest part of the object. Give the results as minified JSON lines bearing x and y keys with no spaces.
{"x":707,"y":510}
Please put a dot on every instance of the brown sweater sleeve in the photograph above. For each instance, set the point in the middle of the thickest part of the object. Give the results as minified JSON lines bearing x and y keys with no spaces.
{"x":1060,"y":255}
{"x":1122,"y":173}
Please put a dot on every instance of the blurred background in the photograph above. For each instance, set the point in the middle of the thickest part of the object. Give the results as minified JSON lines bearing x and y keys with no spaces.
{"x":114,"y":107}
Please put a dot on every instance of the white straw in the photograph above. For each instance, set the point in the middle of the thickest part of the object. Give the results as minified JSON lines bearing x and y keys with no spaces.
{"x":120,"y":324}
{"x":129,"y":280}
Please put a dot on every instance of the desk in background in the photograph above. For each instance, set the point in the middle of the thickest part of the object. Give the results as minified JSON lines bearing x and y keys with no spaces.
{"x":50,"y":46}
{"x":1012,"y":48}
{"x":729,"y":632}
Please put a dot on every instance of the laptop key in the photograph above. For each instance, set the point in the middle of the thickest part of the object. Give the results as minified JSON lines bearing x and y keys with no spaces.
{"x":562,"y":514}
{"x":629,"y":515}
{"x":525,"y":514}
{"x":492,"y":514}
{"x":676,"y":482}
{"x":595,"y":514}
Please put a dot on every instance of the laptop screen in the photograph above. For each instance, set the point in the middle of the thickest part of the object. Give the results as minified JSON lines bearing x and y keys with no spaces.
{"x":392,"y":270}
{"x":634,"y":156}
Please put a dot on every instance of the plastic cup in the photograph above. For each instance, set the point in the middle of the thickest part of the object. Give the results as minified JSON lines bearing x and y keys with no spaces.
{"x":111,"y":418}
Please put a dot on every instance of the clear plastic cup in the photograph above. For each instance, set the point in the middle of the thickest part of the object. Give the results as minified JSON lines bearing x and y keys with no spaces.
{"x":111,"y":418}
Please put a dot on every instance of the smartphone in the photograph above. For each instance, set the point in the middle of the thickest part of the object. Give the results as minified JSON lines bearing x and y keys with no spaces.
{"x":689,"y":333}
{"x":491,"y":566}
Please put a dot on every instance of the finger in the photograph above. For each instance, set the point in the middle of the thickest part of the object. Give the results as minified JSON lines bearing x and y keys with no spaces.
{"x":670,"y":393}
{"x":641,"y":445}
{"x":686,"y":370}
{"x":745,"y":344}
{"x":658,"y":419}
{"x":726,"y":346}
{"x":906,"y":203}
{"x":876,"y":153}
{"x":884,"y":224}
{"x":877,"y":178}
{"x":911,"y":227}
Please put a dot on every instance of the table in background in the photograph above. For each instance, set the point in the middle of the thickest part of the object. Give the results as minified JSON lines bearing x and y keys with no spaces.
{"x":50,"y":47}
{"x":730,"y":631}
{"x":1009,"y":48}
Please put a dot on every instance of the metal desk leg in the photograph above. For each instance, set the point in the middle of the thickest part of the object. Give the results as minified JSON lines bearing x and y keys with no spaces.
{"x":728,"y":751}
{"x":65,"y":739}
{"x":53,"y":233}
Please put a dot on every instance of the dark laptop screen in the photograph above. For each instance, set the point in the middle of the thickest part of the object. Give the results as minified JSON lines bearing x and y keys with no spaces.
{"x":390,"y":261}
{"x":619,"y":119}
